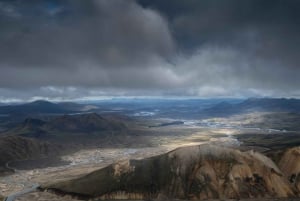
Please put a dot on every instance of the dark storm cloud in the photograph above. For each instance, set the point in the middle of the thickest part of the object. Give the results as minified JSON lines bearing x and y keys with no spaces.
{"x":253,"y":45}
{"x":111,"y":33}
{"x":73,"y":48}
{"x":271,"y":28}
{"x":227,"y":15}
{"x":83,"y":43}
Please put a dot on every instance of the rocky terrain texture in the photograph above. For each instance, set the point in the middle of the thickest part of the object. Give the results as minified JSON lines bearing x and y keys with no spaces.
{"x":19,"y":148}
{"x":290,"y":166}
{"x":195,"y":172}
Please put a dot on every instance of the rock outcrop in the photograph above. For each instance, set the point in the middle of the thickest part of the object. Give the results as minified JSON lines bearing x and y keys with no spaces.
{"x":196,"y":172}
{"x":290,"y":166}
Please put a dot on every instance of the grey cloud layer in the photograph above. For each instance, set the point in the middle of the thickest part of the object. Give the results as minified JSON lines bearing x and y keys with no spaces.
{"x":113,"y":47}
{"x":109,"y":33}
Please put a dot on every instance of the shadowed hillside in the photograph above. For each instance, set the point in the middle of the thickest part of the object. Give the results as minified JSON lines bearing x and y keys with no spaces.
{"x":68,"y":125}
{"x":90,"y":122}
{"x":19,"y":148}
{"x":35,"y":138}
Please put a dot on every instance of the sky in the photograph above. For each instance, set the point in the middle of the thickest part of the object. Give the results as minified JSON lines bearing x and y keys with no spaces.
{"x":92,"y":49}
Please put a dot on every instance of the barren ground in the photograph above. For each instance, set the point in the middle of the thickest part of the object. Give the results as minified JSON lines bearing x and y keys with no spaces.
{"x":86,"y":161}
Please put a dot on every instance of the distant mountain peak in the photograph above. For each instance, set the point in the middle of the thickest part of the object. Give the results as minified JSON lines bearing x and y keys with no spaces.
{"x":41,"y":102}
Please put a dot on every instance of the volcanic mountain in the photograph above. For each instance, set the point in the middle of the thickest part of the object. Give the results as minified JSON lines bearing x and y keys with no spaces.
{"x":196,"y":172}
{"x":68,"y":125}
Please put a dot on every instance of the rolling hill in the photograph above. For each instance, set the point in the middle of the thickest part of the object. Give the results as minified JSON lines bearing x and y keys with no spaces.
{"x":68,"y":126}
{"x":34,"y":138}
{"x":90,"y":122}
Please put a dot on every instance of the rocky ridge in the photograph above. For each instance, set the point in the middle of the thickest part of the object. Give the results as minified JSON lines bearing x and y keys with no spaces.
{"x":195,"y":172}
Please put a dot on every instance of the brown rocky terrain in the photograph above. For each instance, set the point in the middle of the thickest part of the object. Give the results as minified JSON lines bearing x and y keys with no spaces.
{"x":290,"y":166}
{"x":195,"y":172}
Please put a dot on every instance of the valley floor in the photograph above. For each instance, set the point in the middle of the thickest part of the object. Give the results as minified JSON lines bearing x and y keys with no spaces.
{"x":86,"y":161}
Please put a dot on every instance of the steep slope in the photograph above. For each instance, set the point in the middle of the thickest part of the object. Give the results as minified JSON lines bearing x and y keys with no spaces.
{"x":290,"y":165}
{"x":197,"y":172}
{"x":19,"y":148}
{"x":30,"y":127}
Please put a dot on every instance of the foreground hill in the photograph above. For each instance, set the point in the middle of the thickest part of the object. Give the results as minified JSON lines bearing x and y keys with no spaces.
{"x":197,"y":172}
{"x":68,"y":125}
{"x":254,"y":105}
{"x":19,"y":148}
{"x":290,"y":165}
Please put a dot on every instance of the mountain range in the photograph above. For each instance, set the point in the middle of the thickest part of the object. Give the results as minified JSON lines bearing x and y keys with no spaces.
{"x":254,"y":105}
{"x":44,"y":107}
{"x":215,"y":108}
